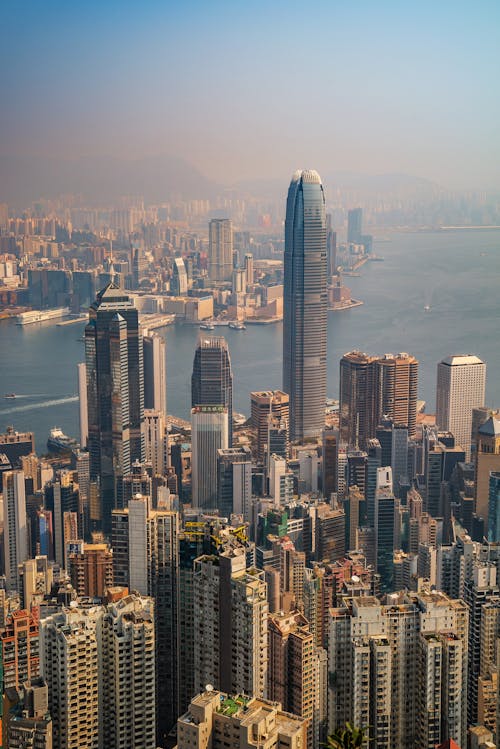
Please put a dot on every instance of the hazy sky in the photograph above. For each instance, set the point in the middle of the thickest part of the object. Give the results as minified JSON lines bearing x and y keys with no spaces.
{"x":251,"y":88}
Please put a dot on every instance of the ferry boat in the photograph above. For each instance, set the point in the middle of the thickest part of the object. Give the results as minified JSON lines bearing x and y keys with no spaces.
{"x":58,"y":442}
{"x":10,"y":395}
{"x":237,"y":326}
{"x":40,"y":315}
{"x":207,"y":326}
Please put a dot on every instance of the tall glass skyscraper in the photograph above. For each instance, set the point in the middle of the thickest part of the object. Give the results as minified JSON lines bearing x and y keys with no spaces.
{"x":212,"y":378}
{"x":305,"y":305}
{"x":115,"y":394}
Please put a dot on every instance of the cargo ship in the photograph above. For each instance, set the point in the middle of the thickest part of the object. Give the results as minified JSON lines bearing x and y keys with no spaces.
{"x":58,"y":442}
{"x":37,"y":315}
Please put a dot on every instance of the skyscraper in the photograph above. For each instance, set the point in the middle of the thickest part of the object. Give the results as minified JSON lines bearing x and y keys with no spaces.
{"x":354,"y":225}
{"x":209,"y":433}
{"x":234,"y":481}
{"x":155,"y":377}
{"x":461,"y":382}
{"x":266,"y":404}
{"x":220,"y":250}
{"x":212,"y":378}
{"x":115,"y":393}
{"x":15,"y":526}
{"x":305,"y":305}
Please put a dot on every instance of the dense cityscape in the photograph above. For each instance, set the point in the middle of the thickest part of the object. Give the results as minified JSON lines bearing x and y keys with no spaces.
{"x":228,"y":581}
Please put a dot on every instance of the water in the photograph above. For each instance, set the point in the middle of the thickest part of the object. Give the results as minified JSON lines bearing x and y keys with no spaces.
{"x":455,"y":273}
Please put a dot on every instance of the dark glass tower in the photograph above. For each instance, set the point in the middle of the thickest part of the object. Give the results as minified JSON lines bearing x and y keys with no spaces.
{"x":305,"y":305}
{"x":212,"y":378}
{"x":115,"y":394}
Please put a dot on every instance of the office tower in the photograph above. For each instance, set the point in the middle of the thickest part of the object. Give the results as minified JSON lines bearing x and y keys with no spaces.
{"x":277,"y":439}
{"x":234,"y":481}
{"x":126,"y":634}
{"x":215,"y":719}
{"x":220,"y":249}
{"x":354,"y":225}
{"x":373,"y":463}
{"x":266,"y":404}
{"x":331,"y":247}
{"x":20,"y":648}
{"x":69,"y":665}
{"x":494,"y":508}
{"x":486,"y":459}
{"x":15,"y":540}
{"x":329,"y":535}
{"x":28,"y":722}
{"x":293,"y":669}
{"x":329,"y":476}
{"x":62,"y":497}
{"x":146,"y":559}
{"x":82,"y":404}
{"x":373,"y":388}
{"x":209,"y":433}
{"x":305,"y":305}
{"x":392,"y":666}
{"x":356,"y":469}
{"x":139,"y":266}
{"x":249,"y":277}
{"x":156,"y":441}
{"x":179,"y":280}
{"x":230,"y":624}
{"x":461,"y":382}
{"x":91,"y":571}
{"x":386,"y":538}
{"x":353,"y":507}
{"x":155,"y":373}
{"x":115,"y":394}
{"x":212,"y":378}
{"x":399,"y":459}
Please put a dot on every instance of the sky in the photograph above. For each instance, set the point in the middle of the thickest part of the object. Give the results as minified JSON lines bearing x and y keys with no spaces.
{"x":252,"y":89}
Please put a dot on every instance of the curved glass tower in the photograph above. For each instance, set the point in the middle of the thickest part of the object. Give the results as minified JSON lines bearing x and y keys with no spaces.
{"x":305,"y":305}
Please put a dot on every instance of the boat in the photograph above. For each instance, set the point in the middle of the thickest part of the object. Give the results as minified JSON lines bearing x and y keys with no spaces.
{"x":427,"y":308}
{"x":10,"y":395}
{"x":58,"y":442}
{"x":237,"y":326}
{"x":207,"y":326}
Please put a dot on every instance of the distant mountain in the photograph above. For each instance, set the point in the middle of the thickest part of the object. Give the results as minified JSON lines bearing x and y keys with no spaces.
{"x":101,"y":180}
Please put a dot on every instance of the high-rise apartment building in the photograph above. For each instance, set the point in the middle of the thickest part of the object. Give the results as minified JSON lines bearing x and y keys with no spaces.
{"x":212,"y":377}
{"x":373,"y":388}
{"x":209,"y":434}
{"x":305,"y":305}
{"x":461,"y":382}
{"x":115,"y":394}
{"x":266,"y":404}
{"x":386,"y":530}
{"x":494,"y":508}
{"x":220,"y":249}
{"x":230,"y":624}
{"x":15,"y":526}
{"x":486,"y":459}
{"x":69,"y":665}
{"x":91,"y":570}
{"x":20,"y":653}
{"x":216,"y":720}
{"x":400,"y":669}
{"x":146,"y":559}
{"x":126,"y":635}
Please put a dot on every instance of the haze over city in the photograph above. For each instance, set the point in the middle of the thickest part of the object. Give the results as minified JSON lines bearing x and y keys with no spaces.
{"x":253,"y":90}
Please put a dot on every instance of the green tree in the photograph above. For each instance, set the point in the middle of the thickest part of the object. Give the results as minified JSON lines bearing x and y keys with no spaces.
{"x":349,"y":737}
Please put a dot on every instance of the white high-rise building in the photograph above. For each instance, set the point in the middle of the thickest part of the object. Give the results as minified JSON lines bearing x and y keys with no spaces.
{"x":126,"y":633}
{"x":69,"y":664}
{"x":461,"y":383}
{"x":15,"y":526}
{"x":155,"y":372}
{"x":209,"y":433}
{"x":82,"y":407}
